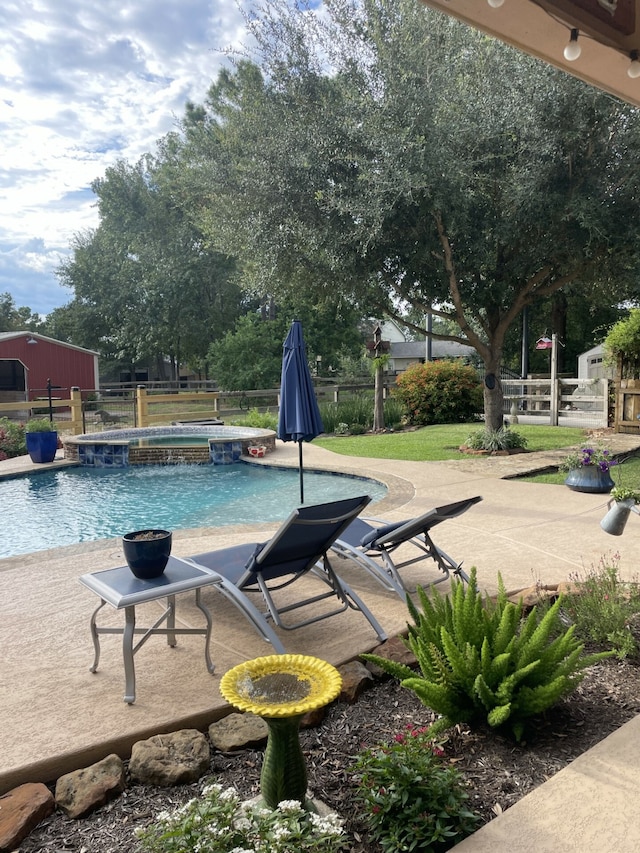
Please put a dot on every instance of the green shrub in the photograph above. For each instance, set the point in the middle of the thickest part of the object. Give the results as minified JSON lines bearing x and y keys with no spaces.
{"x":12,"y":441}
{"x":623,"y":340}
{"x":495,"y":439}
{"x":439,"y":392}
{"x":357,"y":409}
{"x":40,"y":425}
{"x":357,"y":429}
{"x":412,"y":800}
{"x":393,"y":412}
{"x":257,"y":419}
{"x":602,"y":606}
{"x":486,"y":661}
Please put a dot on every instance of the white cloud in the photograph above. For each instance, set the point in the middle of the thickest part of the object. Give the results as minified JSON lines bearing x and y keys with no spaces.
{"x":83,"y":83}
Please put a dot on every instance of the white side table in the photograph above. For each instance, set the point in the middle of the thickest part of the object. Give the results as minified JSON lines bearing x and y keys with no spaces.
{"x":121,"y":589}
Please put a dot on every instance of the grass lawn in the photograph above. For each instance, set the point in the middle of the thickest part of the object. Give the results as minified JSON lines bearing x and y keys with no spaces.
{"x":441,"y":442}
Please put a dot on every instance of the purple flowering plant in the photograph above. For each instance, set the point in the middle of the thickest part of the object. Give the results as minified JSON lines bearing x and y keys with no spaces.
{"x":596,"y":456}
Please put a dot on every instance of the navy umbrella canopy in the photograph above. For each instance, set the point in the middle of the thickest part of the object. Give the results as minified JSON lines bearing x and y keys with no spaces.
{"x":299,"y":417}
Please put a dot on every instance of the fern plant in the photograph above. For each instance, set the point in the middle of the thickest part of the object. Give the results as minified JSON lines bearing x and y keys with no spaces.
{"x":483,"y":660}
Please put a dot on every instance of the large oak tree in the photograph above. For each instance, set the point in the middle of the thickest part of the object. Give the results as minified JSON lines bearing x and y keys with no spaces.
{"x":390,"y":154}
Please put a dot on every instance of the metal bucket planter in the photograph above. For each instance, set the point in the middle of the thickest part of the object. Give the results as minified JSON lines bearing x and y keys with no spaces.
{"x":589,"y":478}
{"x":615,"y":520}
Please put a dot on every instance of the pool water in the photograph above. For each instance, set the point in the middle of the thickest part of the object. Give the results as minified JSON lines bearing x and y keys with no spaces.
{"x":63,"y":507}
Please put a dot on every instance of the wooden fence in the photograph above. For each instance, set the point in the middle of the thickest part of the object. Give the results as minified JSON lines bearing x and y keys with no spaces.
{"x":574,"y":401}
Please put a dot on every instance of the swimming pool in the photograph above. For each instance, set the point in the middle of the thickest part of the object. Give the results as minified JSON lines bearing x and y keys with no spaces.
{"x":54,"y":508}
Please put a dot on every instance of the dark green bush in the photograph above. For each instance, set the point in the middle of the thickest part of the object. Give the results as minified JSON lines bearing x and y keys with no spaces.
{"x":487,"y":661}
{"x":257,"y":419}
{"x":412,"y":799}
{"x":495,"y":439}
{"x":357,"y":409}
{"x":439,"y":392}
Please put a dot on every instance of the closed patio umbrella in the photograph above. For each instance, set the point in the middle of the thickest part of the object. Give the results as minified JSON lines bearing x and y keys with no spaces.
{"x":299,"y":417}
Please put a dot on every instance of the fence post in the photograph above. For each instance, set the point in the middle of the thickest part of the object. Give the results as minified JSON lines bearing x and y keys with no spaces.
{"x":142,"y":406}
{"x":605,"y":399}
{"x":75,"y":404}
{"x":555,"y":385}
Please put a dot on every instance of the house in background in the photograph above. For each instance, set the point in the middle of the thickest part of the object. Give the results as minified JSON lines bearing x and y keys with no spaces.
{"x":28,"y":361}
{"x":403,"y":353}
{"x":592,"y":364}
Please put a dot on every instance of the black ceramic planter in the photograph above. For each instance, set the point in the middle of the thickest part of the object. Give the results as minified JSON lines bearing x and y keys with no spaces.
{"x":147,"y":552}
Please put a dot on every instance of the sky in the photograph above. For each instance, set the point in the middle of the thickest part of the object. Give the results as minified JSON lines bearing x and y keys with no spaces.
{"x":84,"y":83}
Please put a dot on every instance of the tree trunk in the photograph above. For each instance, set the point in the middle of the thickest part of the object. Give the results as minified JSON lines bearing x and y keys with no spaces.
{"x":493,"y":397}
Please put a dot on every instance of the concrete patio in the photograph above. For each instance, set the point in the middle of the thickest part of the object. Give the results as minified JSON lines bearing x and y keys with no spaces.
{"x":58,"y":716}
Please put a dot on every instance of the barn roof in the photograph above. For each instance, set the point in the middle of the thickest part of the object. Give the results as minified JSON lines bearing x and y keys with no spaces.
{"x":7,"y":336}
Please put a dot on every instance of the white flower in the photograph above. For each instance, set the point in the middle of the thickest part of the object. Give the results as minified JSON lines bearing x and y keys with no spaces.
{"x":187,"y":806}
{"x":164,"y":817}
{"x":281,"y":832}
{"x":216,"y":831}
{"x":213,"y":788}
{"x":330,"y":824}
{"x":228,"y":796}
{"x":289,"y":807}
{"x":262,"y":812}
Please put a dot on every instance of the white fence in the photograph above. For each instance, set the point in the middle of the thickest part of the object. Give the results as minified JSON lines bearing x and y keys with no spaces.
{"x":564,"y":402}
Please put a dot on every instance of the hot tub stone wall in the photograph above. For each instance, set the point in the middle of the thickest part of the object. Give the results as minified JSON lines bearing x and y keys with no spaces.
{"x":112,"y":448}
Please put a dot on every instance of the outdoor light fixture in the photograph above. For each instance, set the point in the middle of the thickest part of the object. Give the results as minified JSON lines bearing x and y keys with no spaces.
{"x":634,"y":67}
{"x":31,"y":340}
{"x":495,"y":4}
{"x":573,"y":50}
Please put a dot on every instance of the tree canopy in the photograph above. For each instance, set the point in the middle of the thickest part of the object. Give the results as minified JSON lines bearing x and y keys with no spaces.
{"x":145,"y":283}
{"x":392,"y":155}
{"x":17,"y":319}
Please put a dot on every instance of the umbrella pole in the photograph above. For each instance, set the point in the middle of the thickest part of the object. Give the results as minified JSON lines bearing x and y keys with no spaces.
{"x":301,"y":475}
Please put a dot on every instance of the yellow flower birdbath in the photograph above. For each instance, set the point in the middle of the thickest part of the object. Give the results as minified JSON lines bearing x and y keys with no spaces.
{"x":282,"y":689}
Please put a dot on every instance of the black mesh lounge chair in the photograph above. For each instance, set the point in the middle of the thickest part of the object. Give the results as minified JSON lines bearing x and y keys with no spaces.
{"x":298,"y":548}
{"x":372,"y":543}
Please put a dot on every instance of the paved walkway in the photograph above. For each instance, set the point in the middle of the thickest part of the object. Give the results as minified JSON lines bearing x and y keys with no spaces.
{"x":60,"y":716}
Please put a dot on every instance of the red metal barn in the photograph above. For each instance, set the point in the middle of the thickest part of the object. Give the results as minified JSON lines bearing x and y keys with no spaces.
{"x":28,"y":361}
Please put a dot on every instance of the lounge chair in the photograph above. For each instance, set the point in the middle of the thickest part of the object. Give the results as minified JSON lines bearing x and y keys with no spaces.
{"x":298,"y":548}
{"x":372,"y":543}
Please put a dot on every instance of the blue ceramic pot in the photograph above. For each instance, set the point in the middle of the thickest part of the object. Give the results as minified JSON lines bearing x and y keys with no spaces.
{"x":589,"y":478}
{"x":42,"y":446}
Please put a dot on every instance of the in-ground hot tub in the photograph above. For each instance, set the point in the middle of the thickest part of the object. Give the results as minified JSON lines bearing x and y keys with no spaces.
{"x":162,"y":445}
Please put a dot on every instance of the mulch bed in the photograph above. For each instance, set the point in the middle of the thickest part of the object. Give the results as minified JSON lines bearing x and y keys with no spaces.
{"x":497,"y":771}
